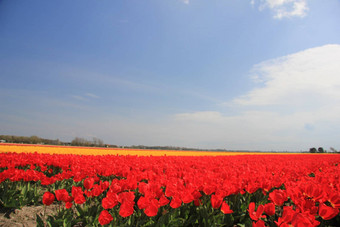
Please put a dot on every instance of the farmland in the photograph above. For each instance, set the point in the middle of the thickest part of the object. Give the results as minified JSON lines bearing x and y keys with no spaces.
{"x":50,"y":149}
{"x":121,"y":187}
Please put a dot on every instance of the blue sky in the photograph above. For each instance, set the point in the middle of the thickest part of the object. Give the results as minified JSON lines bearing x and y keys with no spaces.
{"x":256,"y":75}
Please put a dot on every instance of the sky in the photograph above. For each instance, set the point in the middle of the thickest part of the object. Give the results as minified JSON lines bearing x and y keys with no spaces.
{"x":218,"y":74}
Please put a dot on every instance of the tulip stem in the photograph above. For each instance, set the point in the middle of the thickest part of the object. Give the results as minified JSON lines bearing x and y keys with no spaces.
{"x":44,"y":216}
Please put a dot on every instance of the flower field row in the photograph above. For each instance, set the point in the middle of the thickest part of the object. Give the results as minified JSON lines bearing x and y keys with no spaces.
{"x":51,"y":149}
{"x":258,"y":190}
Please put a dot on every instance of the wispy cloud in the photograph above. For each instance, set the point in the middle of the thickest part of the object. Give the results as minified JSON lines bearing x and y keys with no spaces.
{"x":78,"y":97}
{"x":92,"y":95}
{"x":284,"y":8}
{"x":85,"y":97}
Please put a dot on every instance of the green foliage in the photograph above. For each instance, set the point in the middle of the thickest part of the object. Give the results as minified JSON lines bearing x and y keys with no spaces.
{"x":19,"y":194}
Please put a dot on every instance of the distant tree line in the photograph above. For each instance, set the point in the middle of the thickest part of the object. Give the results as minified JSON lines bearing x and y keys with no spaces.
{"x":321,"y":150}
{"x":94,"y":142}
{"x":29,"y":140}
{"x":171,"y":148}
{"x":160,"y":147}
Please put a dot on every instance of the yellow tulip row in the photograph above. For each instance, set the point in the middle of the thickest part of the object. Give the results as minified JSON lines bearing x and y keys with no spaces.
{"x":46,"y":149}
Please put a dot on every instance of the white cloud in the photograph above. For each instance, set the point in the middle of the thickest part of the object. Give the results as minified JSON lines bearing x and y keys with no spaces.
{"x":302,"y":78}
{"x":186,"y":2}
{"x":284,"y":8}
{"x":294,"y":107}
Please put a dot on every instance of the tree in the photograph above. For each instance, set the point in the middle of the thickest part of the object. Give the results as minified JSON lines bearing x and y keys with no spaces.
{"x":34,"y":139}
{"x":321,"y":150}
{"x":84,"y":142}
{"x":78,"y":141}
{"x":312,"y":150}
{"x":97,"y":142}
{"x":333,"y":150}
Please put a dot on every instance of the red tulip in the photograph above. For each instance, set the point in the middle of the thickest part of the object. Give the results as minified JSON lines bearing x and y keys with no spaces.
{"x":255,"y":215}
{"x":105,"y":217}
{"x":226,"y":209}
{"x":61,"y":194}
{"x":278,"y":197}
{"x":327,"y":212}
{"x":109,"y":202}
{"x":269,"y":209}
{"x":48,"y":198}
{"x":152,"y":209}
{"x":126,"y":209}
{"x":259,"y":223}
{"x":175,"y":202}
{"x":88,"y":183}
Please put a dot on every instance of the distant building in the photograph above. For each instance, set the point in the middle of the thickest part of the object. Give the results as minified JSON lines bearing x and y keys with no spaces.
{"x":2,"y":141}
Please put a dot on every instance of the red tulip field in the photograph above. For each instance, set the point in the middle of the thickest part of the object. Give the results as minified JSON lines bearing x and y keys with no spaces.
{"x":118,"y":190}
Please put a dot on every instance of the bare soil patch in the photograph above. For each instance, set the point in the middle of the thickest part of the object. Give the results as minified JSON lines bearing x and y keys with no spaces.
{"x":24,"y":217}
